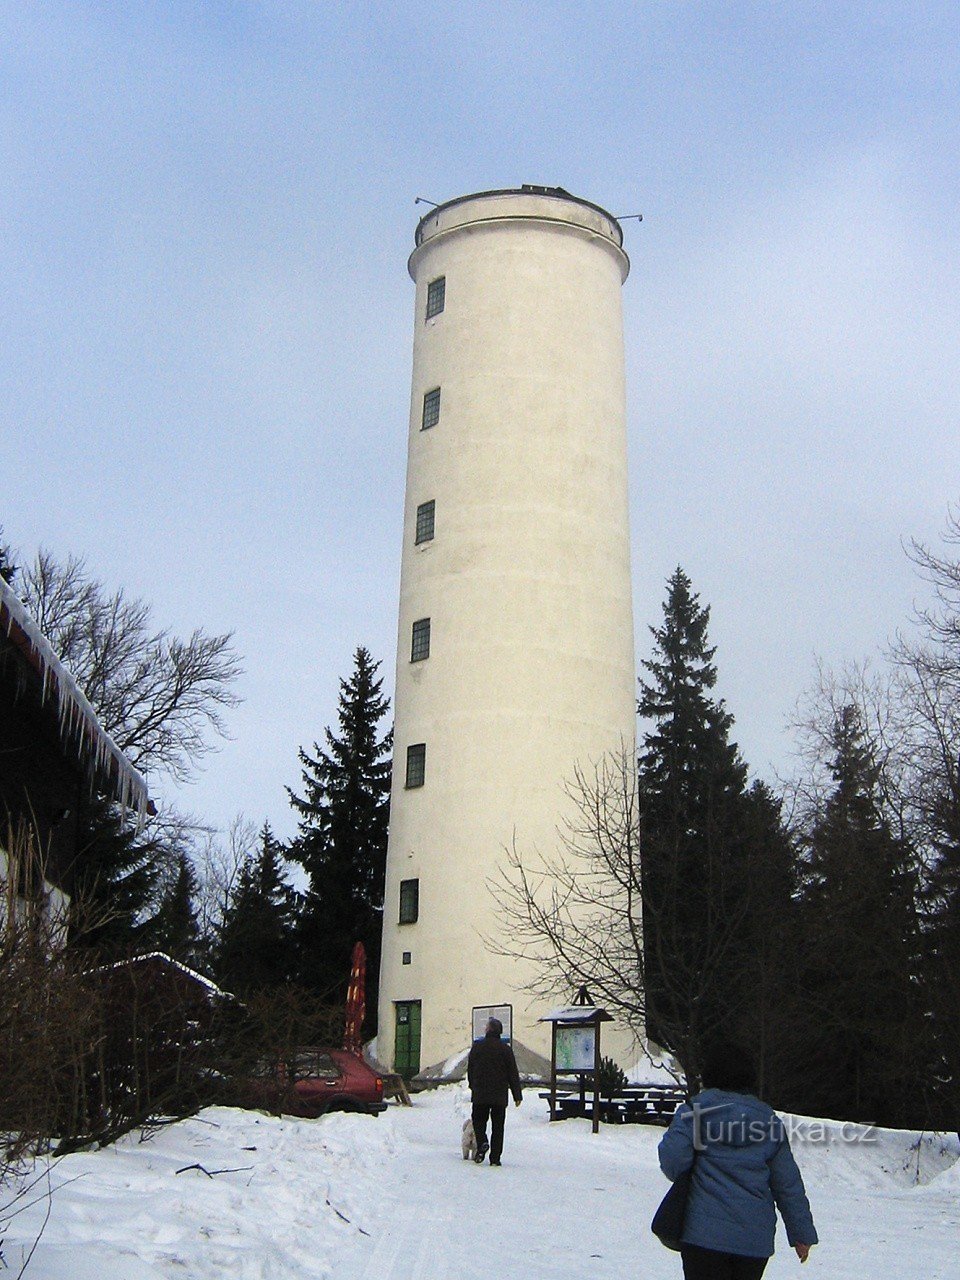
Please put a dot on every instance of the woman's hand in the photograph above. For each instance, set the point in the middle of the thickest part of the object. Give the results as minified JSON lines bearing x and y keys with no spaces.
{"x":803,"y":1251}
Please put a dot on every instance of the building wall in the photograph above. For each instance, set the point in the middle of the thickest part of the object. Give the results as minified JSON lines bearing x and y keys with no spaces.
{"x":526,"y":584}
{"x":44,"y":907}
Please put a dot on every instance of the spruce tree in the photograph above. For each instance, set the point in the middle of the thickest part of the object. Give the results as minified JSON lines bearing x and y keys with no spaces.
{"x":691,"y":783}
{"x":766,"y":950}
{"x":940,"y":972}
{"x":861,"y":1020}
{"x":256,"y":948}
{"x":114,"y":880}
{"x":342,"y":841}
{"x":175,"y":929}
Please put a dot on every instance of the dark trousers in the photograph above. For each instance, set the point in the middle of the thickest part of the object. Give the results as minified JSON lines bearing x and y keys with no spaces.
{"x":708,"y":1264}
{"x":496,"y":1116}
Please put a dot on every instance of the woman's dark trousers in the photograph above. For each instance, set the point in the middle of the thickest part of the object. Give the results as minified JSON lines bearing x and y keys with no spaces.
{"x":707,"y":1264}
{"x":496,"y":1116}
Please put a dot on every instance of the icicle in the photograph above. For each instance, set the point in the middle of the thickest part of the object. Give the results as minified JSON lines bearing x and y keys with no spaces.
{"x":78,"y":720}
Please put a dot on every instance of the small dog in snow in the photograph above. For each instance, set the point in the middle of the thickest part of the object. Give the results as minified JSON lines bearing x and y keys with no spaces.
{"x":468,"y":1140}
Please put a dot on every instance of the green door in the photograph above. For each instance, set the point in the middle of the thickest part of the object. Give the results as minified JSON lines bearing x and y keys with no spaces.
{"x":406,"y":1051}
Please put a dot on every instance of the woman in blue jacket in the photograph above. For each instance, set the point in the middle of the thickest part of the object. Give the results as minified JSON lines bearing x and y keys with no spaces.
{"x":742,"y":1168}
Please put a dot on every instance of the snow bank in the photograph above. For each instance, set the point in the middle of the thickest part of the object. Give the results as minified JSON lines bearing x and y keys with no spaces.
{"x":655,"y":1069}
{"x":294,"y":1198}
{"x":868,"y":1155}
{"x":390,"y":1198}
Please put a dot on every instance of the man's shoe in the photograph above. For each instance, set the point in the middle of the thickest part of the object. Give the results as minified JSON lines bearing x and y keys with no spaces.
{"x":495,"y":1164}
{"x":481,"y":1152}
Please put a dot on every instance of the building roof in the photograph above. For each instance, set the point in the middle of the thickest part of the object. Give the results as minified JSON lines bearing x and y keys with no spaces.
{"x":577,"y":1015}
{"x":80,"y":730}
{"x":528,"y":189}
{"x":168,"y":962}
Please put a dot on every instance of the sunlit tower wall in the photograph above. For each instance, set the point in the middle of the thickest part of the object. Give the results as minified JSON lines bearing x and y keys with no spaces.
{"x":515,"y":656}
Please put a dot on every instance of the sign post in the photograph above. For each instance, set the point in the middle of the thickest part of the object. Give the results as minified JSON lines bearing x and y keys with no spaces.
{"x":575,"y":1050}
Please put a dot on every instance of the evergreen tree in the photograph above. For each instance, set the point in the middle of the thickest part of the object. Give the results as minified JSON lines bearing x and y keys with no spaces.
{"x":342,"y":841}
{"x":861,"y":1022}
{"x":691,"y":787}
{"x":930,"y":666}
{"x":940,"y":972}
{"x":256,"y":947}
{"x":765,"y":952}
{"x":174,"y":928}
{"x":114,"y":881}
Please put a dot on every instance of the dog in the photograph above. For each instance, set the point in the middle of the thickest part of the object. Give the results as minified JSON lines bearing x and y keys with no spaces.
{"x":468,"y":1140}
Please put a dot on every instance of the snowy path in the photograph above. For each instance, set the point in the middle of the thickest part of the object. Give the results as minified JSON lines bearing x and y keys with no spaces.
{"x":544,"y":1214}
{"x":568,"y":1203}
{"x":358,"y":1198}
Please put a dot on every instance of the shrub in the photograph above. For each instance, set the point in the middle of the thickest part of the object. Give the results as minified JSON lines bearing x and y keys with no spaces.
{"x":612,"y":1078}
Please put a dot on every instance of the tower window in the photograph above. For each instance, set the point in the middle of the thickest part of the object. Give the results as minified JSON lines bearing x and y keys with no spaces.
{"x":436,"y":293}
{"x":431,"y":409}
{"x":426,"y":515}
{"x":416,"y":764}
{"x":406,"y":957}
{"x":420,"y":648}
{"x":409,"y":902}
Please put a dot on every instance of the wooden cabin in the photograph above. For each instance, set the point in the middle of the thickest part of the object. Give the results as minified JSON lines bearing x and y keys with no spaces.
{"x":54,"y":753}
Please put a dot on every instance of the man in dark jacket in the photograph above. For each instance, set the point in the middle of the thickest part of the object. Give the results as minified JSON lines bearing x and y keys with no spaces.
{"x":492,"y":1073}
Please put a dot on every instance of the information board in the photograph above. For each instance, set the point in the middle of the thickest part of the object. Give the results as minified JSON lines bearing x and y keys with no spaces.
{"x":482,"y":1013}
{"x":576,"y":1048}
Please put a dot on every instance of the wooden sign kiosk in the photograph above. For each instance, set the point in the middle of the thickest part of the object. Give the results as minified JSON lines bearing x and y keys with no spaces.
{"x":575,"y":1050}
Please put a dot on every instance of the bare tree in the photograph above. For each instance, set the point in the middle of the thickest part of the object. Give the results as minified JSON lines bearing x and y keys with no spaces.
{"x":577,"y":912}
{"x":220,"y":860}
{"x":910,"y":712}
{"x":584,"y":913}
{"x":942,"y":621}
{"x":47,"y":1010}
{"x":929,"y":669}
{"x":158,"y":696}
{"x":880,"y":697}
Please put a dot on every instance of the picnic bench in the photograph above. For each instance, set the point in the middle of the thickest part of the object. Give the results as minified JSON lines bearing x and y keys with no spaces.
{"x":632,"y":1104}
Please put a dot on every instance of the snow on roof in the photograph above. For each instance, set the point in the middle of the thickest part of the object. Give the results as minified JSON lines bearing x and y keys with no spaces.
{"x":79,"y":725}
{"x":577,"y":1013}
{"x":162,"y":956}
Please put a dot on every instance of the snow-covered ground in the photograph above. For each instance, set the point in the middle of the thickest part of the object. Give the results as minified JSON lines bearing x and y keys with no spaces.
{"x":389,"y":1198}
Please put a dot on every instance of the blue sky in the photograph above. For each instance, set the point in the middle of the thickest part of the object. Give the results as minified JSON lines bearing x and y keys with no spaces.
{"x":206,"y":320}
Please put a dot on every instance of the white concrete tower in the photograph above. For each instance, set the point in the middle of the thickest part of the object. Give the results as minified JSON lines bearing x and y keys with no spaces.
{"x":515,"y":658}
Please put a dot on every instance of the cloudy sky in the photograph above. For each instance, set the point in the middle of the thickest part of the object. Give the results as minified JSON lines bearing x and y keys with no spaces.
{"x":206,"y":319}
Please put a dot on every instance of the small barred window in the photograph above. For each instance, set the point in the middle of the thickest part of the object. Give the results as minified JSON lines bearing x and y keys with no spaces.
{"x":426,"y":516}
{"x":431,"y":409}
{"x":436,"y":294}
{"x":420,"y":645}
{"x":416,"y":764}
{"x":409,"y":901}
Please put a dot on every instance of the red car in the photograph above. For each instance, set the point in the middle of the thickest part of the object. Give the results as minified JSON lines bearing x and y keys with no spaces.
{"x":325,"y":1080}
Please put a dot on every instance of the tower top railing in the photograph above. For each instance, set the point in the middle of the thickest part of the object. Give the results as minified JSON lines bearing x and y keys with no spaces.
{"x":551,"y":205}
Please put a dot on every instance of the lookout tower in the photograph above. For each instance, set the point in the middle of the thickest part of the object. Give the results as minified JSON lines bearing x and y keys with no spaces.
{"x":515,"y":656}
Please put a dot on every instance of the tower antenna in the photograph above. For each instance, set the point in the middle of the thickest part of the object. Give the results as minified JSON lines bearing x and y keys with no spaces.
{"x":423,"y":200}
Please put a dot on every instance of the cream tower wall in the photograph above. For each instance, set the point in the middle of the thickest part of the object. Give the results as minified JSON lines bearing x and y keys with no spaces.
{"x":526,"y":584}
